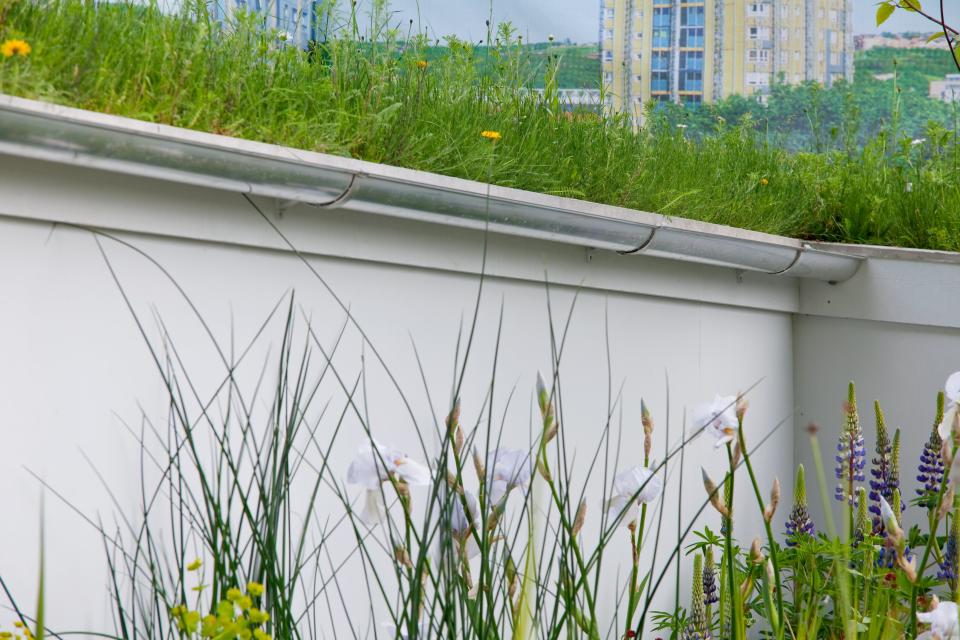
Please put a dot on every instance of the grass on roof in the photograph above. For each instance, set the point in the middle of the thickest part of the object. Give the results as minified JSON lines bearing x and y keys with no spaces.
{"x":376,"y":100}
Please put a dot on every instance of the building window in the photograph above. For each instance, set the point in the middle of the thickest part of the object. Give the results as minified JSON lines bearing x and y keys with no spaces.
{"x":783,"y":58}
{"x":833,"y":16}
{"x":691,"y":37}
{"x":796,"y":78}
{"x":692,"y":17}
{"x":661,"y":16}
{"x":796,"y":55}
{"x":608,"y":34}
{"x":691,"y":61}
{"x":758,"y":55}
{"x":660,"y":61}
{"x":784,"y":35}
{"x":659,"y":81}
{"x":759,"y":33}
{"x":609,"y":13}
{"x":758,"y":79}
{"x":796,"y":11}
{"x":692,"y":101}
{"x":661,"y":37}
{"x":820,"y":12}
{"x":639,"y":55}
{"x":758,"y":9}
{"x":608,"y":56}
{"x":608,"y":78}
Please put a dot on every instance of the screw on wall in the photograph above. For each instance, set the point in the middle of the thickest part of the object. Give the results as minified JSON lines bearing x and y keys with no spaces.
{"x":739,"y":273}
{"x":589,"y":253}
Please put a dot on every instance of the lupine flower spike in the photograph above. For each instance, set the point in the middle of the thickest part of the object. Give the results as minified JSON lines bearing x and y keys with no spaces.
{"x":882,"y":480}
{"x":948,"y":566}
{"x":851,"y":455}
{"x":863,"y":523}
{"x":711,"y":592}
{"x":799,"y":523}
{"x":930,"y":471}
{"x":697,"y":621}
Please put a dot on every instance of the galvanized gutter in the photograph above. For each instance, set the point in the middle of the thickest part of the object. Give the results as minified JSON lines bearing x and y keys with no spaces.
{"x":58,"y":134}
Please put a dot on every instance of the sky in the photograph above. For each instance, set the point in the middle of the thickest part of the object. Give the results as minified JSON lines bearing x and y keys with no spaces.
{"x":579,"y":19}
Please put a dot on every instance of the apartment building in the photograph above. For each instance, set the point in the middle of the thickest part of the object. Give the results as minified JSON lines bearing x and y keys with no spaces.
{"x":297,"y":21}
{"x":694,"y":51}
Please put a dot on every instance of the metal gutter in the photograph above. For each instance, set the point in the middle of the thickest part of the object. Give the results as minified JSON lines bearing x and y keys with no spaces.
{"x":58,"y":134}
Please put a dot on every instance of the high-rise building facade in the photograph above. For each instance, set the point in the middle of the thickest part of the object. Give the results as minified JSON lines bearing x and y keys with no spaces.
{"x":298,"y":20}
{"x":694,"y":51}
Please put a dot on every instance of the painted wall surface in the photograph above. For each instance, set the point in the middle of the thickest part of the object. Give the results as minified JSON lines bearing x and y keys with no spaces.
{"x":893,"y":330}
{"x":78,"y":383}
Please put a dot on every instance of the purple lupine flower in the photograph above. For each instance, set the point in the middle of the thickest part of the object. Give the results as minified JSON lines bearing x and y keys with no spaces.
{"x":798,"y":521}
{"x":930,"y":471}
{"x":948,"y":566}
{"x":851,"y":455}
{"x":711,"y":594}
{"x":885,"y":476}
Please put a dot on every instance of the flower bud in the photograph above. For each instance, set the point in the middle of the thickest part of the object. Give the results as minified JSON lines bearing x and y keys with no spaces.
{"x":478,"y":464}
{"x":581,"y":518}
{"x":742,"y":405}
{"x":909,"y":566}
{"x":714,"y":494}
{"x":771,"y":508}
{"x":756,"y":552}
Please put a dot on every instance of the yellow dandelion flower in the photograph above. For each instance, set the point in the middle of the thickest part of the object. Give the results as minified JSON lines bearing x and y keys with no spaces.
{"x":255,"y":589}
{"x":234,"y":594}
{"x":764,"y":182}
{"x":244,"y":602}
{"x":421,"y":64}
{"x":196,"y":564}
{"x":14,"y":47}
{"x":491,"y":135}
{"x":261,"y":635}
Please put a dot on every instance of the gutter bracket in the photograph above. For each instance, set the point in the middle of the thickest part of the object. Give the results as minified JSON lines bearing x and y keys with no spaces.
{"x":643,"y":246}
{"x":341,"y":199}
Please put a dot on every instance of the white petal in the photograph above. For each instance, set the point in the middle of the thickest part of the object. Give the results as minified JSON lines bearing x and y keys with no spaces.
{"x":949,"y":416}
{"x":372,"y":507}
{"x":363,"y":468}
{"x":951,"y":388}
{"x":414,"y":473}
{"x":955,"y":471}
{"x":498,"y":491}
{"x":622,"y":507}
{"x":627,"y":483}
{"x":461,"y":520}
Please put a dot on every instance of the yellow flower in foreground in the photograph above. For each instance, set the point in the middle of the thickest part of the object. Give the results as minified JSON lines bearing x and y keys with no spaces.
{"x":491,"y":135}
{"x":421,"y":64}
{"x":764,"y":182}
{"x":193,"y":566}
{"x":255,"y":589}
{"x":15,"y":47}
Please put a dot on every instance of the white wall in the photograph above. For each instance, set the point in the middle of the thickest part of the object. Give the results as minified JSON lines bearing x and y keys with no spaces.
{"x":75,"y":368}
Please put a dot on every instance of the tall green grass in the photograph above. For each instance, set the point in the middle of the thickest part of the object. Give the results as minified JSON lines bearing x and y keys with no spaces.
{"x":362,"y":94}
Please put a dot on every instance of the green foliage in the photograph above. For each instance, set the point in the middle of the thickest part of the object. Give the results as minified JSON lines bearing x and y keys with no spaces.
{"x":813,"y":163}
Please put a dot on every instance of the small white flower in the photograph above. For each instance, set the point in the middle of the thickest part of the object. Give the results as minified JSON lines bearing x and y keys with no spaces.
{"x":951,"y":391}
{"x":719,"y":419}
{"x":634,"y":486}
{"x":507,"y":469}
{"x":374,"y":465}
{"x":942,"y":621}
{"x":917,"y":141}
{"x":681,"y":126}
